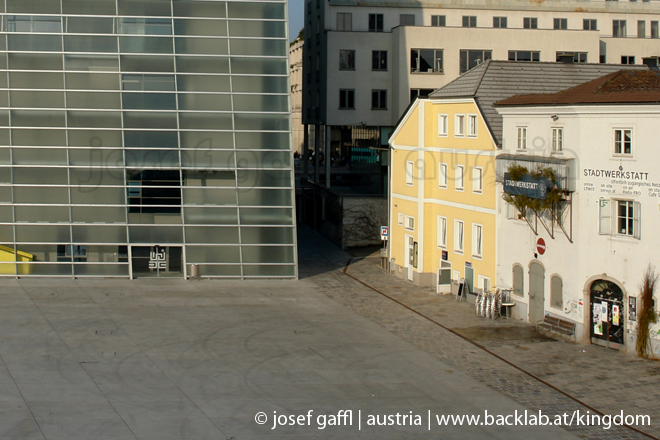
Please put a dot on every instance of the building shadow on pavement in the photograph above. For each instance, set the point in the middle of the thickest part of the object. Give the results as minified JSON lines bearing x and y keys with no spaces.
{"x":317,"y":254}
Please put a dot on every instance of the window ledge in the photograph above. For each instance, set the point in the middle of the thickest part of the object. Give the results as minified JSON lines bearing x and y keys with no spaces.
{"x":625,"y":238}
{"x":434,"y":72}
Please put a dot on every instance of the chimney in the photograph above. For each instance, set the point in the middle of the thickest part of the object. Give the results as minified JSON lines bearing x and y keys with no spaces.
{"x":566,"y":58}
{"x":651,"y":62}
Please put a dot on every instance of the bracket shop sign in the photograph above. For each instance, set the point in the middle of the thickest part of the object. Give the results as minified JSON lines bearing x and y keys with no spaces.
{"x":528,"y":185}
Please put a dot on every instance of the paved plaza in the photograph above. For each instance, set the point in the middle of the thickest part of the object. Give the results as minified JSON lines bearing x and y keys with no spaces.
{"x":173,"y":359}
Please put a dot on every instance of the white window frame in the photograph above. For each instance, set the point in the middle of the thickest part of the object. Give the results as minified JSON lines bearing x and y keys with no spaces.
{"x":522,"y":138}
{"x":409,"y":223}
{"x":512,"y":213}
{"x":608,"y":218}
{"x":635,"y":219}
{"x":477,"y":180}
{"x":477,"y":240}
{"x":342,"y":18}
{"x":604,"y":217}
{"x":557,"y":139}
{"x":622,"y":142}
{"x":441,"y":230}
{"x":400,"y":219}
{"x":442,"y":175}
{"x":553,"y":297}
{"x":483,"y":283}
{"x":459,"y":236}
{"x":410,"y":170}
{"x":472,"y":126}
{"x":459,"y":126}
{"x":459,"y":178}
{"x":443,"y":123}
{"x":439,"y":20}
{"x":445,"y":266}
{"x":619,"y":28}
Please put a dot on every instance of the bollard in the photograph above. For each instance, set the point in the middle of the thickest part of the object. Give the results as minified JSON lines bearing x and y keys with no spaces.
{"x":194,"y":272}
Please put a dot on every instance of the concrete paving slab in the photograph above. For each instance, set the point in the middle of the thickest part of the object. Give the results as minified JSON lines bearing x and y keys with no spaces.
{"x":20,"y":428}
{"x":65,"y":428}
{"x":54,"y":409}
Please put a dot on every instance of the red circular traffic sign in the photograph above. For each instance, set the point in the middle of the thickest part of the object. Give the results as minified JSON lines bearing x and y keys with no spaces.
{"x":540,"y":246}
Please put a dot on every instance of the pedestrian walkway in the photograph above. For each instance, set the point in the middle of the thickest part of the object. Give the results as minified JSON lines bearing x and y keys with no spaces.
{"x":602,"y":379}
{"x":170,"y":359}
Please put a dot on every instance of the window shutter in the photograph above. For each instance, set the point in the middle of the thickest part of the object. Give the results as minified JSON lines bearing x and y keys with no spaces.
{"x":604,"y":217}
{"x":637,"y":217}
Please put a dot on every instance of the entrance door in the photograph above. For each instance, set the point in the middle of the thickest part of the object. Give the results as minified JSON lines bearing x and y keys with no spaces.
{"x":469,"y":280}
{"x":410,"y":255}
{"x":536,"y":292}
{"x":156,"y":261}
{"x":607,"y":314}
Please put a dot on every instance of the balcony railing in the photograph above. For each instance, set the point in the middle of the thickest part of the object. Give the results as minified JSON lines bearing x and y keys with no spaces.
{"x":564,"y":169}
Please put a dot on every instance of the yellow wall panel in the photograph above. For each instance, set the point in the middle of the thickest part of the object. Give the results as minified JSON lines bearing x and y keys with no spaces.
{"x":408,"y":135}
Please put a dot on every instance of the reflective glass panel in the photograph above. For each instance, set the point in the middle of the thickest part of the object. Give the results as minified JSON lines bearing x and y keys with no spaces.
{"x":38,"y":137}
{"x":265,"y":216}
{"x":269,"y":271}
{"x":206,"y":140}
{"x":212,"y":254}
{"x":39,"y":156}
{"x":91,"y":7}
{"x":221,"y":235}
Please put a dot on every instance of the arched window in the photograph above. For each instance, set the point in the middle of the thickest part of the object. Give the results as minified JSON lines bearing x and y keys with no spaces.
{"x":556,"y":292}
{"x":518,"y":281}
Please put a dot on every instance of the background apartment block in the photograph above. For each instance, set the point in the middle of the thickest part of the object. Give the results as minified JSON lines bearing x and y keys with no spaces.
{"x":365,"y":62}
{"x":141,"y":137}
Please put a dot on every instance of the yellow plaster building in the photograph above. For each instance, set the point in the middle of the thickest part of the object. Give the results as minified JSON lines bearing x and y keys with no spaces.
{"x":443,"y":195}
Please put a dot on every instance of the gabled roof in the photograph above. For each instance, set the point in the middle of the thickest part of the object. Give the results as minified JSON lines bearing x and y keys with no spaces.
{"x":495,"y":81}
{"x":622,"y":87}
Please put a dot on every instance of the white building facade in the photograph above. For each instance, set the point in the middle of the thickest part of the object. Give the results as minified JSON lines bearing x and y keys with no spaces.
{"x":296,"y":74}
{"x":586,"y":263}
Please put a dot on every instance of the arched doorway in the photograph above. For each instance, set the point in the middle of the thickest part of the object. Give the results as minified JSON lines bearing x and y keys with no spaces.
{"x":536,"y":292}
{"x":607,"y":314}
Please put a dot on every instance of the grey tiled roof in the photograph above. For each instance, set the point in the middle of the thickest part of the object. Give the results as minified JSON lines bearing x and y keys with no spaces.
{"x":494,"y":81}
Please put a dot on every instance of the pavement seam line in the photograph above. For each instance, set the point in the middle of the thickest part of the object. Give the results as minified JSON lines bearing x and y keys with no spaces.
{"x":481,"y":347}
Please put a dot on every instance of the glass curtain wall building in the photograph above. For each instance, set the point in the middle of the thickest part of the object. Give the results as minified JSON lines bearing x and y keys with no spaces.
{"x":141,"y":137}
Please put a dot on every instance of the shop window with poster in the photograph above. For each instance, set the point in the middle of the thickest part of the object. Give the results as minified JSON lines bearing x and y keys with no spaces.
{"x":607,"y":313}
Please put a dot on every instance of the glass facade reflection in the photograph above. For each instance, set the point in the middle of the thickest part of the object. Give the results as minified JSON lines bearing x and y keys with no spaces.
{"x":141,"y":137}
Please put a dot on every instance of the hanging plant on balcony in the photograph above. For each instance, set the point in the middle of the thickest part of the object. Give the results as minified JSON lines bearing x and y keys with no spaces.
{"x":522,"y":202}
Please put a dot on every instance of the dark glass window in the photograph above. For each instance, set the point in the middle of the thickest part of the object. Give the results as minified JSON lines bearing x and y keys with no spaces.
{"x":379,"y":60}
{"x":375,"y":22}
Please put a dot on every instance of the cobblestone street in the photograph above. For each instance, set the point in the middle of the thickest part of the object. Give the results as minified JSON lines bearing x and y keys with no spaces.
{"x":499,"y":353}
